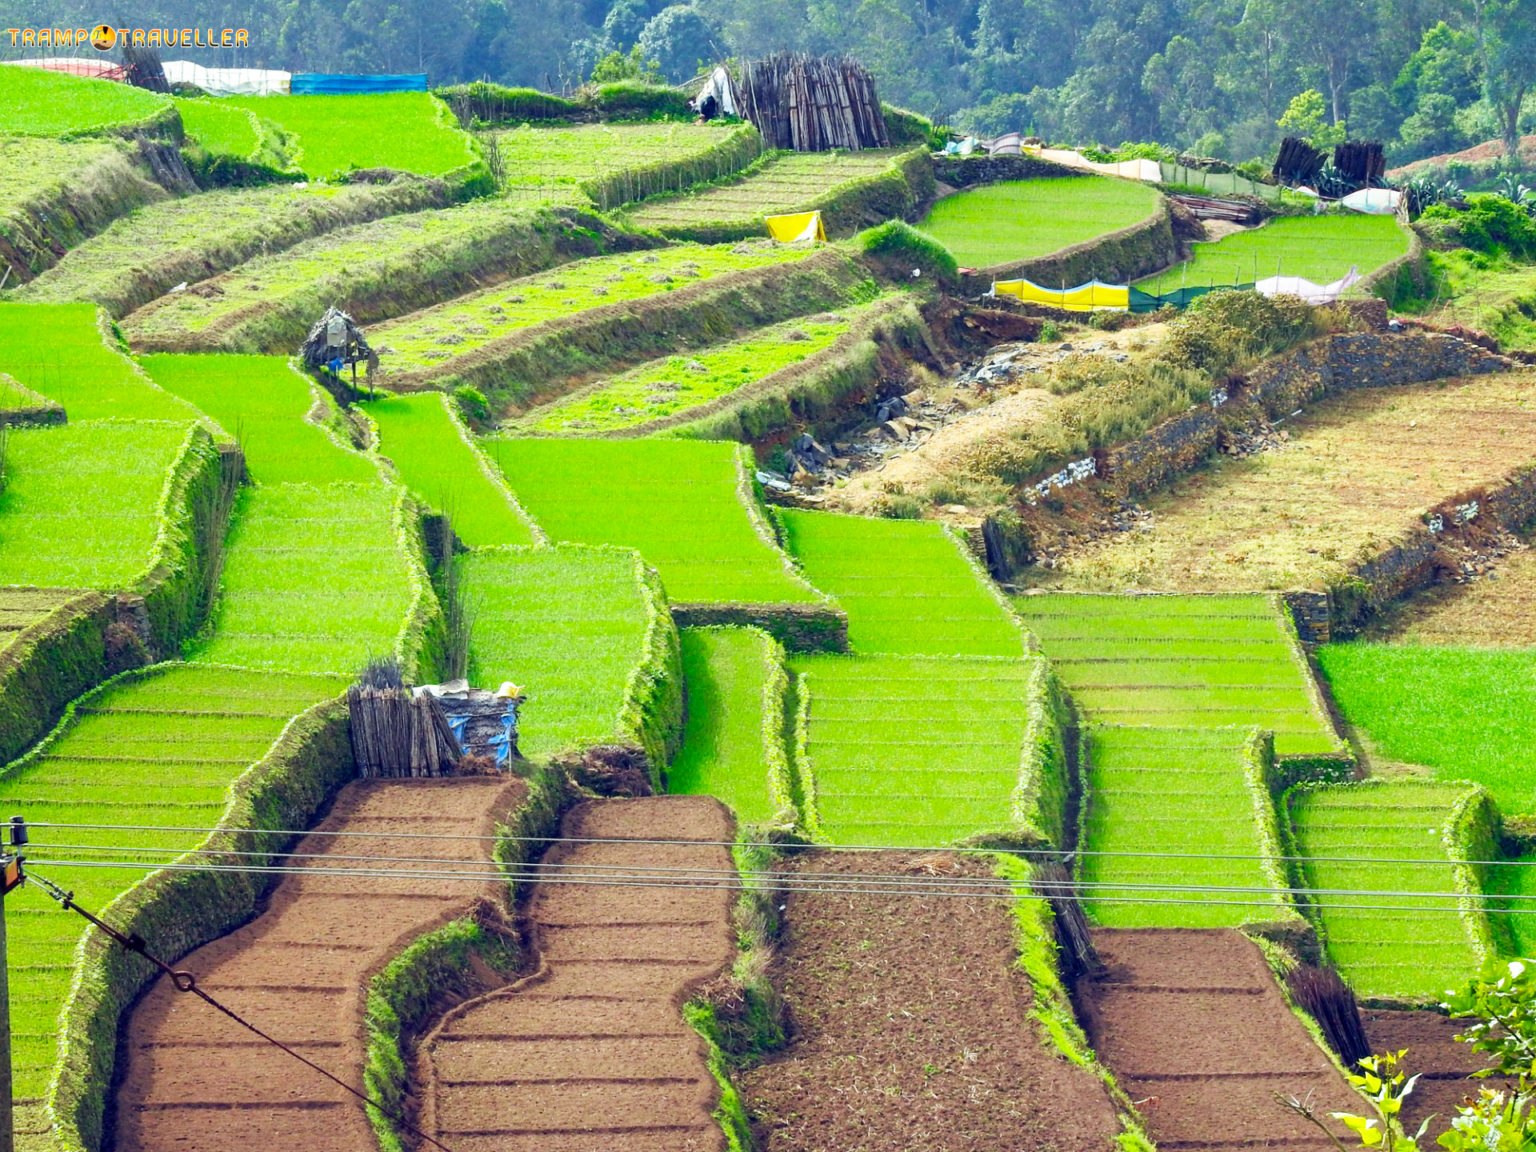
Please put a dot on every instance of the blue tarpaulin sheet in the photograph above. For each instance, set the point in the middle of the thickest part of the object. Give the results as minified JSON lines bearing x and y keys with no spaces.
{"x":312,"y":83}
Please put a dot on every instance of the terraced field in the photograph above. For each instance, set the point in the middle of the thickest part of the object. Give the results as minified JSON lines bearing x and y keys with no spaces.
{"x":1364,"y":845}
{"x":1184,"y":662}
{"x":569,"y":623}
{"x":226,"y":130}
{"x":21,"y":608}
{"x":1496,"y":611}
{"x":439,"y":461}
{"x":36,"y":102}
{"x":1318,"y":248}
{"x":906,"y":584}
{"x":1358,"y":470}
{"x":1022,"y":219}
{"x":686,"y":506}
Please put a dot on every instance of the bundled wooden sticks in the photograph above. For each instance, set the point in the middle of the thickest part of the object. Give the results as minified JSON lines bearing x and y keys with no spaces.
{"x":813,"y":103}
{"x":395,"y":734}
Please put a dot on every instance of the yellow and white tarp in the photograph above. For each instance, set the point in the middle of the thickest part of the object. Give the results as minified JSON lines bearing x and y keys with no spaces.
{"x":1093,"y":296}
{"x":796,"y":226}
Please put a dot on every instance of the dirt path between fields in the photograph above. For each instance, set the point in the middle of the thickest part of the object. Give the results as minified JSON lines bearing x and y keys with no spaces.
{"x":196,"y":1082}
{"x":591,"y":1053}
{"x":1198,"y":1033}
{"x":912,"y":1028}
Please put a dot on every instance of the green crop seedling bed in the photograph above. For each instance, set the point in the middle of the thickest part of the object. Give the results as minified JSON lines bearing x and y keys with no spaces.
{"x":567,"y":624}
{"x":1404,"y":946}
{"x":912,"y":751}
{"x":1179,"y":791}
{"x":405,"y":131}
{"x":1317,"y":248}
{"x":315,"y":580}
{"x":722,"y":755}
{"x":161,"y":750}
{"x":80,"y":505}
{"x":460,"y":326}
{"x":548,"y":163}
{"x":1468,"y":713}
{"x":1182,"y":661}
{"x":222,"y":127}
{"x":262,"y":400}
{"x":36,"y":102}
{"x":1023,"y":219}
{"x":792,"y":180}
{"x":905,"y":584}
{"x":677,"y":383}
{"x":438,"y":462}
{"x":681,"y":503}
{"x":57,"y":351}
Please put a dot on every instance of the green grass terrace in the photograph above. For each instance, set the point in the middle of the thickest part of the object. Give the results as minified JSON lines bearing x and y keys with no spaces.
{"x":1318,"y":248}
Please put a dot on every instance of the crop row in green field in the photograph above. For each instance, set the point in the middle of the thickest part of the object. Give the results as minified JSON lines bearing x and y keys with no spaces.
{"x":37,"y":102}
{"x":1467,"y":713}
{"x":1169,"y":807}
{"x":911,"y":751}
{"x":735,"y":725}
{"x":160,"y":751}
{"x":1387,"y":896}
{"x":403,"y":131}
{"x":549,"y":163}
{"x":1022,"y":219}
{"x":568,"y":624}
{"x":316,"y":579}
{"x":676,"y":384}
{"x":783,"y":183}
{"x":57,"y":351}
{"x":683,"y":504}
{"x":80,"y":507}
{"x":906,"y":585}
{"x":1318,"y":248}
{"x":439,"y":461}
{"x":262,"y":401}
{"x":1183,"y":661}
{"x":461,"y":326}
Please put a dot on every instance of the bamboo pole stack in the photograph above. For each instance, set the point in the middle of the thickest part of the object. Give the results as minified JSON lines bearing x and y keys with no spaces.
{"x":813,"y":103}
{"x":396,"y":734}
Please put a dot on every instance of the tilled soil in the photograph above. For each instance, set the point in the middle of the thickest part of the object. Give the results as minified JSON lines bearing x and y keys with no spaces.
{"x":591,"y":1053}
{"x":1198,"y":1033}
{"x":1442,"y":1063}
{"x":912,"y":1029}
{"x":194,"y":1081}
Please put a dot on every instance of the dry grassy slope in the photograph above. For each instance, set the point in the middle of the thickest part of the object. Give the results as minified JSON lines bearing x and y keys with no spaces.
{"x":1498,"y":609}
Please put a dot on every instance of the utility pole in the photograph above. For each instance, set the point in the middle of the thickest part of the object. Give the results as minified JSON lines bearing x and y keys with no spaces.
{"x":10,"y":877}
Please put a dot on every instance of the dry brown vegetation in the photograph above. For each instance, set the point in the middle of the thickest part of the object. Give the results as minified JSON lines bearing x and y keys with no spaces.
{"x":1498,"y":609}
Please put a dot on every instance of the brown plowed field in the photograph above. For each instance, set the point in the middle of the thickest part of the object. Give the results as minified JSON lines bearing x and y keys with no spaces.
{"x":196,"y":1082}
{"x":1199,"y":1035}
{"x":912,"y":1030}
{"x":1444,"y":1064}
{"x":590,"y":1053}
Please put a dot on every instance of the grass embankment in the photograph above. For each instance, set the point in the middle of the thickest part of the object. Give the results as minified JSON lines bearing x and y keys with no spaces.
{"x":1489,"y":291}
{"x":402,"y":131}
{"x":57,"y":351}
{"x":1467,"y":713}
{"x":1182,"y":662}
{"x":231,"y":144}
{"x":677,"y":384}
{"x":786,"y":182}
{"x":733,"y":732}
{"x":1021,"y":219}
{"x":159,"y":751}
{"x":80,"y":504}
{"x":439,"y":462}
{"x":191,"y":238}
{"x":684,"y":505}
{"x":461,"y":326}
{"x":1317,"y":248}
{"x":550,"y":163}
{"x":1386,"y":837}
{"x":1179,"y":792}
{"x":911,"y":750}
{"x":1358,"y":470}
{"x":262,"y":401}
{"x":567,"y":623}
{"x":20,"y":608}
{"x":37,"y":102}
{"x":906,"y":585}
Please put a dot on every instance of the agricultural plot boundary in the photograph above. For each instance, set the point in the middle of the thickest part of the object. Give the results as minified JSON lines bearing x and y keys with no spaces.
{"x":22,"y":407}
{"x":1117,"y":257}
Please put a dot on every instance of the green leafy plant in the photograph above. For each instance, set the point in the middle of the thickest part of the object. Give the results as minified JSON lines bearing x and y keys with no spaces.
{"x":618,"y":66}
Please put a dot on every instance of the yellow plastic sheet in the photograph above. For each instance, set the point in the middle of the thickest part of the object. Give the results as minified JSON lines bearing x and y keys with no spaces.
{"x":796,"y":226}
{"x":1090,"y":297}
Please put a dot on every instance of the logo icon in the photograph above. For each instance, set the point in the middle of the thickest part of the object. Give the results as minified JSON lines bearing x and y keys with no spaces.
{"x":103,"y":37}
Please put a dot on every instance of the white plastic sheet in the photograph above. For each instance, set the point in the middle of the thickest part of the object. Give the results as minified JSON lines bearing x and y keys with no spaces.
{"x":228,"y":81}
{"x":1308,"y":291}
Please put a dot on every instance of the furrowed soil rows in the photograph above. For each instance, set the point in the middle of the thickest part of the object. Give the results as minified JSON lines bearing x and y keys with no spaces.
{"x":1196,"y":1029}
{"x":1442,"y":1064}
{"x":591,"y":1054}
{"x":195,"y":1080}
{"x":913,"y":1029}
